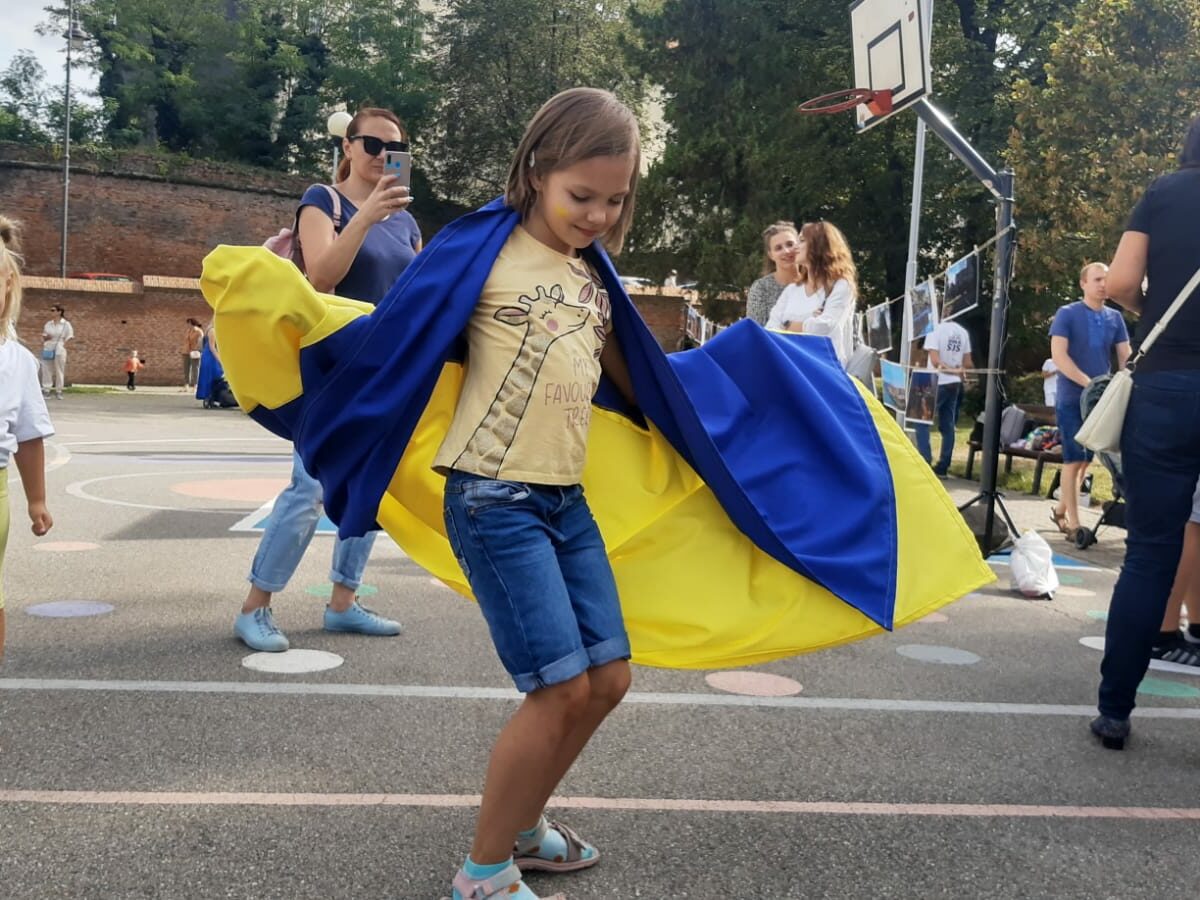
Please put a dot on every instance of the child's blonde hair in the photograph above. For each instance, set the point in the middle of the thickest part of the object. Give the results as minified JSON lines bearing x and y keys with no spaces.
{"x":10,"y":266}
{"x":573,"y":126}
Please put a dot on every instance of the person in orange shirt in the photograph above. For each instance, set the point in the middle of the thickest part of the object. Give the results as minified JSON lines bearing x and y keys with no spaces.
{"x":133,"y":365}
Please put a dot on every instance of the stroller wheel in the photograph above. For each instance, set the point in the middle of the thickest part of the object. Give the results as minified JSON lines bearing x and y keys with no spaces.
{"x":1084,"y":538}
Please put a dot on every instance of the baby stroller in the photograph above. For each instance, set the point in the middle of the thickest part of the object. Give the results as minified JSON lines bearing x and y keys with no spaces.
{"x":1112,"y":512}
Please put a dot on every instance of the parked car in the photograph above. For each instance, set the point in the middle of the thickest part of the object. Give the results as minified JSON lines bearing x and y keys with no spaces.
{"x":634,"y":281}
{"x":100,"y":276}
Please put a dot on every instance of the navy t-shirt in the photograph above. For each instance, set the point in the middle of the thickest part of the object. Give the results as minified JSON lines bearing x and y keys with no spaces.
{"x":1091,"y":336}
{"x":1169,"y":212}
{"x":385,"y":252}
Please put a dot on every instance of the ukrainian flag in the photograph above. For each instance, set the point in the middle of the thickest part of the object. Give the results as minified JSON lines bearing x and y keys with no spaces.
{"x":758,"y":504}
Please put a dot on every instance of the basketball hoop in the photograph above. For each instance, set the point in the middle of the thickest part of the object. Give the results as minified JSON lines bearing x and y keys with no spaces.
{"x":878,"y":102}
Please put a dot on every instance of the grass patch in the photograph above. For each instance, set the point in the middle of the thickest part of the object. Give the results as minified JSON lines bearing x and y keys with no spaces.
{"x":1020,"y":479}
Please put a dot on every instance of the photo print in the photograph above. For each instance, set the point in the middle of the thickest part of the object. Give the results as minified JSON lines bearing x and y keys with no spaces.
{"x":894,"y":384}
{"x":921,"y":305}
{"x":921,"y":400}
{"x":879,"y":327}
{"x":962,"y":287}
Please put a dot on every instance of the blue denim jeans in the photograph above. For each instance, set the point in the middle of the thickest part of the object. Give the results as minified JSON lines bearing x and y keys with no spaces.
{"x":536,"y":563}
{"x":1160,"y":456}
{"x":949,"y":399}
{"x":290,"y":529}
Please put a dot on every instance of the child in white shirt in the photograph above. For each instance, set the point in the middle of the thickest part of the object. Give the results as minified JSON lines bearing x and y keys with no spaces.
{"x":24,"y":421}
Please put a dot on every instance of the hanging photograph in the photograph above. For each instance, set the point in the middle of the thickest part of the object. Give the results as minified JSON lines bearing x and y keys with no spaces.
{"x":879,"y":327}
{"x":921,"y":400}
{"x":962,"y":287}
{"x":894,"y":384}
{"x":921,"y":304}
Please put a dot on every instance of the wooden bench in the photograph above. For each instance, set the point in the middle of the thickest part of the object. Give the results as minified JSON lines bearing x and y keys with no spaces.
{"x":1034,"y":416}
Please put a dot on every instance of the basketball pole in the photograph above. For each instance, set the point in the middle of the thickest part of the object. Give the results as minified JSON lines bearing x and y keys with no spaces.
{"x":1001,"y":185}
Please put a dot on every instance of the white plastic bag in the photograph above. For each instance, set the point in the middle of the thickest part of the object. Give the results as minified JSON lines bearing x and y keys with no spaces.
{"x":1032,"y":566}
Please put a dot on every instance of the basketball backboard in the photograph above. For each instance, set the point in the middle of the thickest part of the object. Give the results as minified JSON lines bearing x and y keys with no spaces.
{"x":891,"y":52}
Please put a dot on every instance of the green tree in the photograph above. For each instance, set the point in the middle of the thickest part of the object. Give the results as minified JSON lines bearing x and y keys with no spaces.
{"x":23,"y":100}
{"x":496,"y":62}
{"x":1105,"y":116}
{"x":737,"y":155}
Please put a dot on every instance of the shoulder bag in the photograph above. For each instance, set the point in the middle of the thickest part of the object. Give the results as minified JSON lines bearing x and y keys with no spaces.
{"x":1101,"y":430}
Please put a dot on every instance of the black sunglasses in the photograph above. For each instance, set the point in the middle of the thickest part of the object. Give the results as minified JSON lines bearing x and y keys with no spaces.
{"x":374,"y":146}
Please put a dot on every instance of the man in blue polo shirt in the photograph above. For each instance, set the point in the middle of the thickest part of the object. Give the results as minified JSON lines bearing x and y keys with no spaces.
{"x":1083,"y":336}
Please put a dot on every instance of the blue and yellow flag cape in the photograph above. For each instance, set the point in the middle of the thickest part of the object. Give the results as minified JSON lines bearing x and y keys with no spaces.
{"x":758,"y":504}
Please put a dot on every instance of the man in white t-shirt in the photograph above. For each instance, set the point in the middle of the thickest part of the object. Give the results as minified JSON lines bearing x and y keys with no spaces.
{"x":1049,"y":382}
{"x":949,"y":348}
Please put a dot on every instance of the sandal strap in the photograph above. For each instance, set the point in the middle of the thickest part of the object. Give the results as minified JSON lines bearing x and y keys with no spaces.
{"x":469,"y":889}
{"x":575,"y":844}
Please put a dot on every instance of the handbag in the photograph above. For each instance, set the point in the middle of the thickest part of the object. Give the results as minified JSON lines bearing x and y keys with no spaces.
{"x":48,"y":354}
{"x":287,"y":242}
{"x":1102,"y":429}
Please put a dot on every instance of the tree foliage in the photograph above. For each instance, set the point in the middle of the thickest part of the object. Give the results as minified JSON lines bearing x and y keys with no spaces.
{"x":738,"y":156}
{"x":1106,"y":116}
{"x":497,"y":61}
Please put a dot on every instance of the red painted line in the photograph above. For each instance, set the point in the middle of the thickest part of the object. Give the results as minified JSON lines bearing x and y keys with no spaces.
{"x":786,"y":807}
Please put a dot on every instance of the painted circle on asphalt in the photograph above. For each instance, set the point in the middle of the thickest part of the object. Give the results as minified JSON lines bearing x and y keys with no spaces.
{"x":934,"y":618}
{"x":1156,"y":687}
{"x":253,"y":490}
{"x":326,"y":590}
{"x":65,"y":546}
{"x":69,"y":609}
{"x":1068,"y":591}
{"x":1100,"y":615}
{"x":292,"y":662}
{"x":946,"y":656}
{"x":753,"y":684}
{"x":1158,"y":665}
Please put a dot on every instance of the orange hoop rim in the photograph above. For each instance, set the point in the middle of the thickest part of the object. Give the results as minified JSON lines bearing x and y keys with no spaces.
{"x":878,"y":102}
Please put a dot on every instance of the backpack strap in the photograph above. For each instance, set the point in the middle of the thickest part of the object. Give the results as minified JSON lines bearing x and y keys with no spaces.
{"x":336,"y":199}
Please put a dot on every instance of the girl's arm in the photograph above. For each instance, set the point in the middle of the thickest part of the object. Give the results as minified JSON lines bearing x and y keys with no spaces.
{"x":612,"y":361}
{"x":839,"y":303}
{"x":329,"y":255}
{"x":31,"y":463}
{"x":775,"y":319}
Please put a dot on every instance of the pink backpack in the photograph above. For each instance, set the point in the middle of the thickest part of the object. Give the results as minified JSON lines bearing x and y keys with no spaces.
{"x":287,"y":242}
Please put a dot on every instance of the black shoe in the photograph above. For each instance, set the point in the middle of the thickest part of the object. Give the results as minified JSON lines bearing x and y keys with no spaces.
{"x":1176,"y":649}
{"x":1112,"y":732}
{"x":1192,"y":635}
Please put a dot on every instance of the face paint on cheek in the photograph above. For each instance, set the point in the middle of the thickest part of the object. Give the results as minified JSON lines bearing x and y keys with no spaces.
{"x":561,"y":211}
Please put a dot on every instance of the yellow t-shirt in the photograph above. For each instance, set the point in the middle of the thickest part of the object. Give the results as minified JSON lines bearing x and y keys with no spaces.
{"x":533,"y":363}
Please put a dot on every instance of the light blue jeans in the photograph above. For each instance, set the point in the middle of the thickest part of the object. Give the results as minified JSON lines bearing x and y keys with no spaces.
{"x":289,"y":531}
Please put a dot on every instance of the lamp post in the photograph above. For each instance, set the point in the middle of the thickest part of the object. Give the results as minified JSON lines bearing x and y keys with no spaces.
{"x":75,"y":37}
{"x":336,"y":125}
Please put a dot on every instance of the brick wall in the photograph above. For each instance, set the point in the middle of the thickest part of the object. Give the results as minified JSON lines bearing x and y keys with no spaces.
{"x":111,"y":319}
{"x":137,"y":214}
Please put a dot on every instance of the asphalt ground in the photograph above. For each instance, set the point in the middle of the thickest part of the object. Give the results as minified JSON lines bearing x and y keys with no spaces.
{"x":139,"y":757}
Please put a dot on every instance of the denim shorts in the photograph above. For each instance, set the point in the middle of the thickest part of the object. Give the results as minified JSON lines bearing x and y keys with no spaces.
{"x":536,"y":563}
{"x":1070,"y":419}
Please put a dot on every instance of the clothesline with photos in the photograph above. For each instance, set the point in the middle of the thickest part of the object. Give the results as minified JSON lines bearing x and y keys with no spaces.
{"x":921,"y":309}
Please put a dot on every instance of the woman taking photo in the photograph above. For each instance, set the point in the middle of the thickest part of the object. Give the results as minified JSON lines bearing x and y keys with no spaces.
{"x":822,"y":300}
{"x":55,"y":335}
{"x":356,"y":237}
{"x":1160,"y":442}
{"x":193,"y":343}
{"x":779,"y":270}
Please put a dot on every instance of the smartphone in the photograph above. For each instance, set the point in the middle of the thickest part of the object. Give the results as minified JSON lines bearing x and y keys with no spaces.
{"x":398,"y":163}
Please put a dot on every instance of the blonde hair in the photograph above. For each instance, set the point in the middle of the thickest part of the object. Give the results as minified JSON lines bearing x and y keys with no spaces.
{"x":769,"y":232}
{"x":10,"y":266}
{"x":573,"y":126}
{"x":1086,"y":270}
{"x":827,"y":256}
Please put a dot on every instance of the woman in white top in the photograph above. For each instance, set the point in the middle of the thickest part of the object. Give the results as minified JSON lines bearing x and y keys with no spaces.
{"x":822,"y":302}
{"x":55,"y":335}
